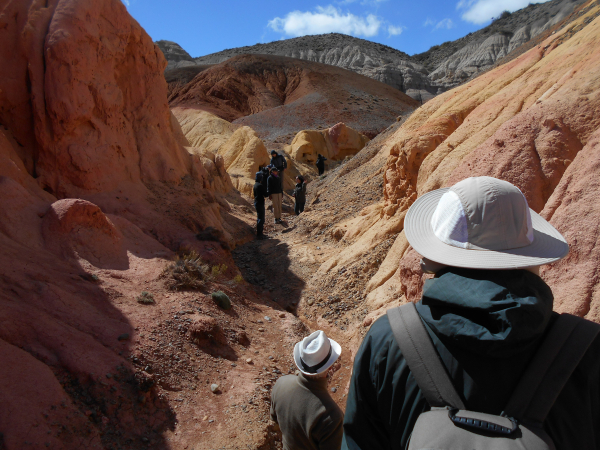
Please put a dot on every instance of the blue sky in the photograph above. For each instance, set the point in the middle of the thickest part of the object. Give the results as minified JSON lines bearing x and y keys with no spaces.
{"x":207,"y":26}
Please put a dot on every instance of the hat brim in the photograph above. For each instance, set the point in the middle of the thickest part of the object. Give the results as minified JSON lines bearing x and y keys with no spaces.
{"x":336,"y":351}
{"x":548,"y":244}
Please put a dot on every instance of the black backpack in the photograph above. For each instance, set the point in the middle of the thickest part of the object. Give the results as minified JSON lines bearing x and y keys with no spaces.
{"x":448,"y":425}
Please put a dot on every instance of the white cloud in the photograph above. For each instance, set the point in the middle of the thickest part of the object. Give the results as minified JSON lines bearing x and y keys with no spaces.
{"x":482,"y":11}
{"x":326,"y":19}
{"x":464,"y":4}
{"x":394,"y":31}
{"x":445,"y":23}
{"x":126,"y":2}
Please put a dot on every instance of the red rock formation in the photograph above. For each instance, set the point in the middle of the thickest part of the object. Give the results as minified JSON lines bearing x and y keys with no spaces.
{"x":279,"y":96}
{"x":93,"y":177}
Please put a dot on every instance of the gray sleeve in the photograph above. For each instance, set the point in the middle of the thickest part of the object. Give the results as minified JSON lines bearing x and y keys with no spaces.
{"x":330,"y":432}
{"x":273,"y":411}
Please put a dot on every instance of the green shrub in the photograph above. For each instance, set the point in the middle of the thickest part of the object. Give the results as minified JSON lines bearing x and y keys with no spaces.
{"x":186,"y":272}
{"x":221,"y":299}
{"x":238,"y":279}
{"x":145,"y":298}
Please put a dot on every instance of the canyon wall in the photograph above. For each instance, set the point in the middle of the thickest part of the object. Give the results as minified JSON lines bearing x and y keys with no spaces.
{"x":533,"y":122}
{"x":94,"y":176}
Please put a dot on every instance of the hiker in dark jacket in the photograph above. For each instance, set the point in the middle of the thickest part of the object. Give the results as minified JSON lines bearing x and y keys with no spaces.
{"x":486,"y":321}
{"x":266,"y":172}
{"x":275,"y":192}
{"x":259,"y":203}
{"x":299,"y":195}
{"x":321,"y":163}
{"x":307,"y":415}
{"x":279,"y":162}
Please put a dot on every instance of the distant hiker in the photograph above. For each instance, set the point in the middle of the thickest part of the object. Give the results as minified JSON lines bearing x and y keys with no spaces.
{"x":266,"y":171}
{"x":279,"y":162}
{"x":275,"y":192}
{"x":259,"y":203}
{"x":321,"y":164}
{"x":483,"y":338}
{"x":299,"y":194}
{"x":307,"y":415}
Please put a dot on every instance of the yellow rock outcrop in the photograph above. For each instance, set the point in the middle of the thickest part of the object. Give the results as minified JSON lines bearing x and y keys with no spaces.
{"x":203,"y":129}
{"x":243,"y":153}
{"x":334,"y":143}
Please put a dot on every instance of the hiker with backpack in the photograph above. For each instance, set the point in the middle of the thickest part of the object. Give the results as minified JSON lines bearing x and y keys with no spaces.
{"x":321,"y":164}
{"x":299,"y":195}
{"x":307,"y":415}
{"x":259,"y":192}
{"x":482,"y":361}
{"x":279,"y":162}
{"x":275,"y":192}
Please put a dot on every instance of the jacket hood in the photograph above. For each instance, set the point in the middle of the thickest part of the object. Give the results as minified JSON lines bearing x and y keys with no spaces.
{"x":497,"y":313}
{"x":258,"y":177}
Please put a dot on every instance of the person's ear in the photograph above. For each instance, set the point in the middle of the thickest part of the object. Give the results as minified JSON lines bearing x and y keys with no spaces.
{"x":429,"y":266}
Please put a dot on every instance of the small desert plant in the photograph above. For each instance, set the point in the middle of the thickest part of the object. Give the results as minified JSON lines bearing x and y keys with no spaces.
{"x":186,"y":272}
{"x":218,"y":270}
{"x":145,"y":298}
{"x":238,"y":279}
{"x":221,"y":299}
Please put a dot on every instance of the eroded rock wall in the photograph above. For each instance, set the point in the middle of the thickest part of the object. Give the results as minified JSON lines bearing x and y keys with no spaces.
{"x":533,"y":122}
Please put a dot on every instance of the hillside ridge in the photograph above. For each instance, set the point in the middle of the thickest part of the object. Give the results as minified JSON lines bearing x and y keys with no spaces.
{"x":420,"y":76}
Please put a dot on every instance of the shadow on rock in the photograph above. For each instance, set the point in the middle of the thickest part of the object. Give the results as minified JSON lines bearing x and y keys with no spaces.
{"x":68,"y":379}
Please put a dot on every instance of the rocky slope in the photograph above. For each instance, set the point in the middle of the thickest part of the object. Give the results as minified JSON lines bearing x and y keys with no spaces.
{"x":421,"y":76}
{"x":278,"y":97}
{"x":371,"y":59}
{"x":533,"y":122}
{"x":455,"y":62}
{"x":176,"y":56}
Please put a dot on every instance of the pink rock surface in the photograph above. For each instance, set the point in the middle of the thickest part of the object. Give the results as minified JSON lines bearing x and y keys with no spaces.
{"x":95,"y":185}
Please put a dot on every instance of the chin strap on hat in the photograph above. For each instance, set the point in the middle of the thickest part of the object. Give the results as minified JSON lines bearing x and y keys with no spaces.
{"x":313,"y":369}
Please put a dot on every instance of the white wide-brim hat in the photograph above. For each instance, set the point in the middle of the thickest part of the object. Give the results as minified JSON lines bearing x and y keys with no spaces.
{"x":482,"y":223}
{"x":316,"y":353}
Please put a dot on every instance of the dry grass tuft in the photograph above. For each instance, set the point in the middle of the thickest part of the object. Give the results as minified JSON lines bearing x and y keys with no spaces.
{"x":188,"y":271}
{"x":145,"y":298}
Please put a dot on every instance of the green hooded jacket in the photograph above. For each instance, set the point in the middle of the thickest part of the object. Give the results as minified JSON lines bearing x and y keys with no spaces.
{"x":486,"y":326}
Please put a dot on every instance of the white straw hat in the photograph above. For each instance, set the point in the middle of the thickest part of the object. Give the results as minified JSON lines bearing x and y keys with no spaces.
{"x":316,"y":353}
{"x":482,"y":223}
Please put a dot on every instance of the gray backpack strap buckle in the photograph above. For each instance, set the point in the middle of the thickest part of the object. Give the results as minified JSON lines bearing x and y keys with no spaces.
{"x":422,"y":358}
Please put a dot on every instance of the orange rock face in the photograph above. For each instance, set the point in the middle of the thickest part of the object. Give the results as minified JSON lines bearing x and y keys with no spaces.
{"x":533,"y":122}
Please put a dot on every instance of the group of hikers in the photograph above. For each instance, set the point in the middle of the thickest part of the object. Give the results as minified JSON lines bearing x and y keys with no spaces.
{"x":269,"y":183}
{"x":480,"y":362}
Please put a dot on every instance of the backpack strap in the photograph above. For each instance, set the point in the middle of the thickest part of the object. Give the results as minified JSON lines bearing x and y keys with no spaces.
{"x":422,"y":358}
{"x":551,"y":367}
